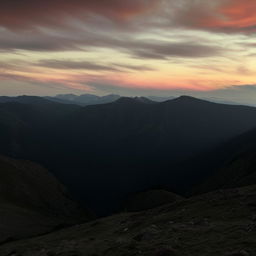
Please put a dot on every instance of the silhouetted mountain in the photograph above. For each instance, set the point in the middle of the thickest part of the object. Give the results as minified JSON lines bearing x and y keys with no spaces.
{"x":160,"y":99}
{"x":38,"y":104}
{"x":134,"y":100}
{"x":222,"y":101}
{"x":105,"y":152}
{"x":129,"y":145}
{"x":72,"y":97}
{"x":211,"y":99}
{"x":23,"y":119}
{"x":24,"y":99}
{"x":235,"y":164}
{"x":32,"y":201}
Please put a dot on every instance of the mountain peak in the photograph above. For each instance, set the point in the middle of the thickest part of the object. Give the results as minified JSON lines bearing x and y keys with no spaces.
{"x":126,"y":100}
{"x":188,"y":99}
{"x":129,"y":100}
{"x":143,"y":100}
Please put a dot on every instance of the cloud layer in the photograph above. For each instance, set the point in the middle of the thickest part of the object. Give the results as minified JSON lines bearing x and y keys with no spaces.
{"x":133,"y":45}
{"x":17,"y":14}
{"x":218,"y":15}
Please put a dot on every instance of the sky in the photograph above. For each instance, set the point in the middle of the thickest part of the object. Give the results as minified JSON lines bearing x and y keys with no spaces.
{"x":202,"y":48}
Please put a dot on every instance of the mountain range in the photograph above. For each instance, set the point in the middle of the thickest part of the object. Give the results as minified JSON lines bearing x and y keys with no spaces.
{"x":177,"y":177}
{"x":92,"y":99}
{"x":84,"y":99}
{"x":105,"y":152}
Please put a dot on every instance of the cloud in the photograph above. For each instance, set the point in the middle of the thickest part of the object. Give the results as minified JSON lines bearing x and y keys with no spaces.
{"x":65,"y":81}
{"x":69,"y":64}
{"x":134,"y":67}
{"x":16,"y":14}
{"x":228,"y":16}
{"x":143,"y":49}
{"x":36,"y":41}
{"x":186,"y":43}
{"x":235,"y":15}
{"x":85,"y":65}
{"x":166,"y":50}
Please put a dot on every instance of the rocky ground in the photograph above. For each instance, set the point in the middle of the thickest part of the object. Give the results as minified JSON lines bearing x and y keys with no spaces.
{"x":149,"y":199}
{"x":214,"y":224}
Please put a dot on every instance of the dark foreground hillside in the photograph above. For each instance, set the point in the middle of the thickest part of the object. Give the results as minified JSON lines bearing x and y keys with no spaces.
{"x":220,"y":223}
{"x":32,"y":201}
{"x":233,"y":164}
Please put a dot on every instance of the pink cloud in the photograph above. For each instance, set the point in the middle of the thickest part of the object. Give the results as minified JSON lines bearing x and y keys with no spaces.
{"x":219,"y":15}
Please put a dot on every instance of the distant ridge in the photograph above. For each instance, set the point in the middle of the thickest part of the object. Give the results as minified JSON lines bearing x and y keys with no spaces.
{"x":84,"y":99}
{"x":130,"y":144}
{"x":131,"y":100}
{"x":91,"y":99}
{"x":25,"y":99}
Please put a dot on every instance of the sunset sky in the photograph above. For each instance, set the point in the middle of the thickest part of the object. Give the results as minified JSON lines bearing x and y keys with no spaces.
{"x":130,"y":47}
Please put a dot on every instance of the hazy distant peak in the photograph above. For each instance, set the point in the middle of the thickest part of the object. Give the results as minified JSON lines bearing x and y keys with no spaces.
{"x":111,"y":95}
{"x":70,"y":94}
{"x":84,"y":99}
{"x":25,"y":99}
{"x":127,"y":100}
{"x":144,"y":100}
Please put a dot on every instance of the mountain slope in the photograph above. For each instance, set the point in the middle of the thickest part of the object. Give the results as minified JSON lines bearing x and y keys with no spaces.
{"x":34,"y":110}
{"x":103,"y":153}
{"x":186,"y":124}
{"x":25,"y":118}
{"x":219,"y":223}
{"x":149,"y":199}
{"x":129,"y":145}
{"x":32,"y":201}
{"x":235,"y":164}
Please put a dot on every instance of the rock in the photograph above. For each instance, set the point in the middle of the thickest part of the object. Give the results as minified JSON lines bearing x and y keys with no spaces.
{"x":238,"y":253}
{"x":165,"y":252}
{"x":148,"y":234}
{"x":138,"y":237}
{"x":251,"y":227}
{"x":13,"y":253}
{"x":254,"y":217}
{"x":51,"y":254}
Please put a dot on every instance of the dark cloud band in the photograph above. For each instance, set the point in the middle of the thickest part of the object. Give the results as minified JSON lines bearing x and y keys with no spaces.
{"x":17,"y":14}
